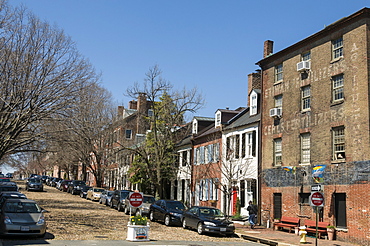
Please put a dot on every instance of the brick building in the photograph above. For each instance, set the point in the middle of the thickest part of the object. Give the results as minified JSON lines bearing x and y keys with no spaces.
{"x":315,"y":127}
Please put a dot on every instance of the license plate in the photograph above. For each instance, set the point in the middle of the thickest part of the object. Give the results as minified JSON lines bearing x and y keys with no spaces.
{"x":222,"y":229}
{"x":25,"y":228}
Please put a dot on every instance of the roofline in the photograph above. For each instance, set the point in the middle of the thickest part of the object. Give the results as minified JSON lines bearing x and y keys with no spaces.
{"x":328,"y":29}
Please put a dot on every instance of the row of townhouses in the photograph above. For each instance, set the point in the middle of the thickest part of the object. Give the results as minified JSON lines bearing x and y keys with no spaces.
{"x":306,"y":125}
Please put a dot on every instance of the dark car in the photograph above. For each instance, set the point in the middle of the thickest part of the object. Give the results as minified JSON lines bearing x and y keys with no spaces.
{"x":34,"y":184}
{"x":83,"y":191}
{"x":75,"y":187}
{"x":168,"y":211}
{"x":43,"y":178}
{"x":64,"y":185}
{"x":11,"y":194}
{"x":143,"y":209}
{"x":118,"y":199}
{"x":8,"y":186}
{"x":207,"y":219}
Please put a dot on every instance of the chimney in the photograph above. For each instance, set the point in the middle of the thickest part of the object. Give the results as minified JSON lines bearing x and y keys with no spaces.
{"x":132,"y":104}
{"x":268,"y":48}
{"x":254,"y":82}
{"x":120,"y":110}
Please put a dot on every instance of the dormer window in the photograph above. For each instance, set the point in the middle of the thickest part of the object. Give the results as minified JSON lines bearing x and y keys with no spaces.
{"x":218,"y":119}
{"x":253,"y":103}
{"x":195,"y":127}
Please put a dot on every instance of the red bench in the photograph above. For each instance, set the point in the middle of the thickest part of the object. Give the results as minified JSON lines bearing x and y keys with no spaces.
{"x":287,"y":222}
{"x":311,"y":227}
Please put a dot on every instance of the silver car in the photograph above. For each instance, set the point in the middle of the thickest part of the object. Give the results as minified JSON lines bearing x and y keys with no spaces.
{"x":22,"y":217}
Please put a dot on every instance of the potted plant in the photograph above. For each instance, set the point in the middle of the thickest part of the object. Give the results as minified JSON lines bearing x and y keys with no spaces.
{"x":138,"y":228}
{"x":276,"y":227}
{"x":331,"y":231}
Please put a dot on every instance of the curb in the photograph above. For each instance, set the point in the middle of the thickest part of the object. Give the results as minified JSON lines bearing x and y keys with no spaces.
{"x":264,"y":241}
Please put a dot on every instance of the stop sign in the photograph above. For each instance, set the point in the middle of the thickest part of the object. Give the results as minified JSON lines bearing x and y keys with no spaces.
{"x":136,"y":199}
{"x":317,"y":199}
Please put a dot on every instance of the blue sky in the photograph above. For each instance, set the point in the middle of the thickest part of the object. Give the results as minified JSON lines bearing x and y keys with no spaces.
{"x":208,"y":44}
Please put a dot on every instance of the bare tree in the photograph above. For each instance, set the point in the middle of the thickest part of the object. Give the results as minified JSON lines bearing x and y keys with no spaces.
{"x":41,"y":74}
{"x":157,"y":157}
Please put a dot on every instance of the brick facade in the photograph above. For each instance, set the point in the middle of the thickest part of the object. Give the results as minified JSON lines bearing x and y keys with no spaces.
{"x":345,"y":177}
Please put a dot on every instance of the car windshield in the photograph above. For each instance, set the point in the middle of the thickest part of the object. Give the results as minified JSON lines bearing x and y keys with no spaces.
{"x":98,"y":190}
{"x":124,"y":194}
{"x":4,"y":180}
{"x":21,"y":207}
{"x":175,"y":205}
{"x":210,"y":212}
{"x":149,"y":199}
{"x":32,"y":180}
{"x":8,"y":188}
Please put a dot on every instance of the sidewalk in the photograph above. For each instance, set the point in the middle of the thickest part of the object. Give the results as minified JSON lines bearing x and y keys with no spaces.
{"x":270,"y":237}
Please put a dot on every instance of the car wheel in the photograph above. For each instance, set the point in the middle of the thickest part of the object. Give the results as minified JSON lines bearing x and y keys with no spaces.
{"x":184,"y":224}
{"x":167,"y":220}
{"x":127,"y":211}
{"x":200,"y":228}
{"x":119,"y":207}
{"x":73,"y":192}
{"x":151,"y":216}
{"x":111,"y":204}
{"x":100,"y":202}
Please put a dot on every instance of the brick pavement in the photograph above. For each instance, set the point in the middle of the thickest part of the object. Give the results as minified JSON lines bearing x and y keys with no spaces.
{"x":283,"y":237}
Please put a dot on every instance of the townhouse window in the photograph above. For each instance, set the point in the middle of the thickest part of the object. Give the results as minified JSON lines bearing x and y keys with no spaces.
{"x":279,"y":73}
{"x":150,"y":112}
{"x":305,"y":148}
{"x":195,"y":127}
{"x":337,"y":48}
{"x":216,"y":149}
{"x":304,"y":198}
{"x":306,"y":98}
{"x":201,"y":155}
{"x":306,"y":56}
{"x":184,"y":158}
{"x":128,"y":134}
{"x":277,"y":152}
{"x":279,"y":101}
{"x":339,"y":147}
{"x":237,"y":146}
{"x":338,"y":87}
{"x":243,"y":144}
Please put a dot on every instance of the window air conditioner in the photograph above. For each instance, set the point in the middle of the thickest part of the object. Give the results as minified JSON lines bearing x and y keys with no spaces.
{"x":275,"y":112}
{"x":303,"y":66}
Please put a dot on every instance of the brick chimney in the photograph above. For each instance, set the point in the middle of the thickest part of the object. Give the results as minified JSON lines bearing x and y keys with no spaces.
{"x":268,"y":48}
{"x":120,"y":110}
{"x":254,"y":82}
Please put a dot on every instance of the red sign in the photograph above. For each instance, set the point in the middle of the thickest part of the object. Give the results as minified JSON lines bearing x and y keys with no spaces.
{"x":136,"y":199}
{"x":317,"y":199}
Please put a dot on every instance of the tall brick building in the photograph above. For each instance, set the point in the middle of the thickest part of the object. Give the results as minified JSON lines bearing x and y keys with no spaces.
{"x":315,"y":127}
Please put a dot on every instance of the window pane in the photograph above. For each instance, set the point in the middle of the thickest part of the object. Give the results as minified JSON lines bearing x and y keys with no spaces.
{"x":338,"y":83}
{"x":337,"y":48}
{"x":306,"y":97}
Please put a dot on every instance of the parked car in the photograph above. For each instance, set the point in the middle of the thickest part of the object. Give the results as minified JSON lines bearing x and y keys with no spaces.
{"x":143,"y":209}
{"x":207,"y":219}
{"x":118,"y":199}
{"x":54,"y":181}
{"x":105,"y":197}
{"x":8,"y":186}
{"x":22,"y":217}
{"x":58,"y":183}
{"x":64,"y":185}
{"x":168,"y":211}
{"x":11,"y":194}
{"x":43,"y":178}
{"x":75,"y":187}
{"x":83,"y":192}
{"x":94,"y":193}
{"x":34,"y":184}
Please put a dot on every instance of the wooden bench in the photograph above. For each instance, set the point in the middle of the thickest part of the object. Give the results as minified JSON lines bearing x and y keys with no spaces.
{"x":311,"y":227}
{"x":287,"y":222}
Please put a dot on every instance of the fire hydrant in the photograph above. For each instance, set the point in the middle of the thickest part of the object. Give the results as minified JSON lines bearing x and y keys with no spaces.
{"x":302,"y":234}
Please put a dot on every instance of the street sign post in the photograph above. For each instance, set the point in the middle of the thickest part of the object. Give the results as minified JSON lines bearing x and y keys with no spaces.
{"x":136,"y":199}
{"x":317,"y":199}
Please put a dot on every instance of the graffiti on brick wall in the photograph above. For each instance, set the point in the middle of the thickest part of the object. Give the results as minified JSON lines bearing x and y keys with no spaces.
{"x":336,"y":174}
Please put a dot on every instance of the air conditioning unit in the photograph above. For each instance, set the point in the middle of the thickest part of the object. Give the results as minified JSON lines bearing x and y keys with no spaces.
{"x":275,"y":112}
{"x":303,"y":66}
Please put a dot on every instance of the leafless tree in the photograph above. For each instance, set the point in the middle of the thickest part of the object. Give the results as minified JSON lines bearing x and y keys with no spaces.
{"x":156,"y":157}
{"x":42,"y":75}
